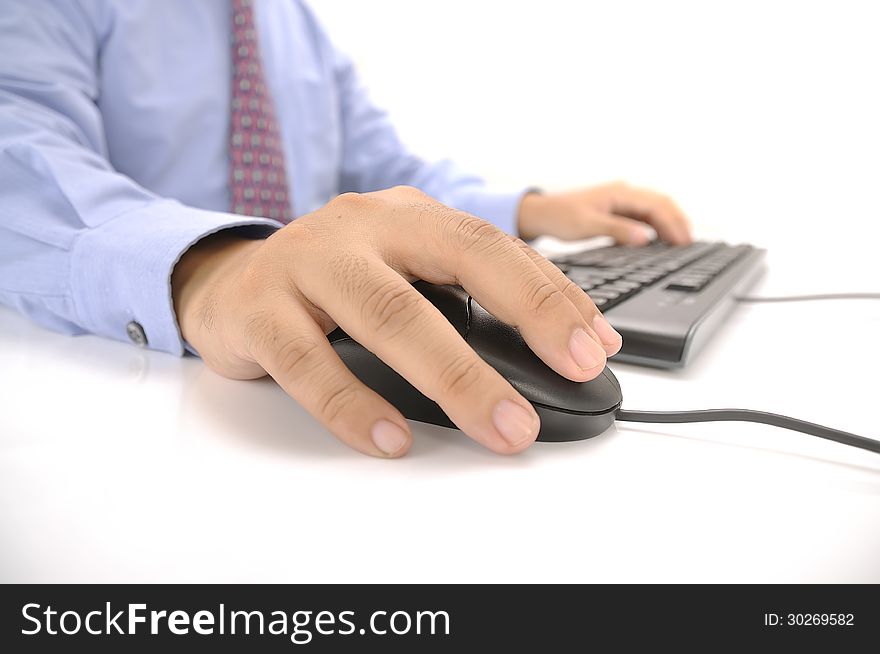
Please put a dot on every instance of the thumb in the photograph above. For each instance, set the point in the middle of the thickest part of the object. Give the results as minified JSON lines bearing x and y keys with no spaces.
{"x":625,"y":231}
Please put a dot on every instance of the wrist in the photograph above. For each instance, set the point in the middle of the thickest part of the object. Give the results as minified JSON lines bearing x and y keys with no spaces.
{"x":199,"y":272}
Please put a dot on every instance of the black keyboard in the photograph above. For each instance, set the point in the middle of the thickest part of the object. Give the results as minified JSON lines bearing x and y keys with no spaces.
{"x":665,"y":300}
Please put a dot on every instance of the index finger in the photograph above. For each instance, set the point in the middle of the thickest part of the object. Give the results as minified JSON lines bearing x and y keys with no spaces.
{"x":656,"y":209}
{"x":466,"y":250}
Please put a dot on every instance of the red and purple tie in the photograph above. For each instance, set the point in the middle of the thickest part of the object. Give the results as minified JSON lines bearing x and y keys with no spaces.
{"x":258,"y":177}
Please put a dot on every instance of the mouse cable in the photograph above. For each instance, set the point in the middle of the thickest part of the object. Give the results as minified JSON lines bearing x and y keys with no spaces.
{"x":747,"y":415}
{"x":809,"y":298}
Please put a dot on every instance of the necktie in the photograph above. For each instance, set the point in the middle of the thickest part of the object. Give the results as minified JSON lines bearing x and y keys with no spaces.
{"x":258,"y":177}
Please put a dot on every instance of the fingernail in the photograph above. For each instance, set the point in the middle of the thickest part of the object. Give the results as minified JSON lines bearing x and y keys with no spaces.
{"x":605,"y":331}
{"x":388,"y":437}
{"x":586,"y":352}
{"x":515,"y":423}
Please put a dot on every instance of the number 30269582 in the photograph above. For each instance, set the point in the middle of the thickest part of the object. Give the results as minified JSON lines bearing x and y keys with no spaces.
{"x":809,"y":619}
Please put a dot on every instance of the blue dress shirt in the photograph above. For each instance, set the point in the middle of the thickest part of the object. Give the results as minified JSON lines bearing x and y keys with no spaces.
{"x":114,"y":129}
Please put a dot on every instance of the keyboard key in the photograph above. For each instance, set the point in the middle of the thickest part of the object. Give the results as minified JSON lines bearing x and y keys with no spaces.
{"x":605,"y":293}
{"x":586,"y":270}
{"x":588,"y":258}
{"x":613,"y":274}
{"x":579,"y":276}
{"x":623,"y":286}
{"x":683,"y":286}
{"x":641,"y":279}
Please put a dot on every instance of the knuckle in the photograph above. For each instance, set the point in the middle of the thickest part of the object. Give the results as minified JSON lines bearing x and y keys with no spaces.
{"x":254,"y":295}
{"x":355,"y":206}
{"x":265,"y":273}
{"x":470,"y":233}
{"x":460,"y":375}
{"x":573,"y":292}
{"x":299,"y":236}
{"x":346,"y":199}
{"x":298,"y":230}
{"x":542,"y":295}
{"x":349,"y":272}
{"x":296,"y":355}
{"x":391,"y":308}
{"x":533,"y":254}
{"x":252,"y":278}
{"x":264,"y":337}
{"x":521,"y":244}
{"x":337,"y":400}
{"x":411,"y":191}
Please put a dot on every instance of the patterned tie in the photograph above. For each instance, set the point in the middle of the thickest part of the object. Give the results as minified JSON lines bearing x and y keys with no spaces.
{"x":258,"y":177}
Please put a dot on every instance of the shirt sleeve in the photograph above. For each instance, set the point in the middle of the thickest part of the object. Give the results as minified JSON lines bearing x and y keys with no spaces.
{"x":83,"y":248}
{"x":374,"y":157}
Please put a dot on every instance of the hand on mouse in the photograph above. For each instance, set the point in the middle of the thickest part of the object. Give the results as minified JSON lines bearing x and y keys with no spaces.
{"x":614,"y":210}
{"x":252,"y":307}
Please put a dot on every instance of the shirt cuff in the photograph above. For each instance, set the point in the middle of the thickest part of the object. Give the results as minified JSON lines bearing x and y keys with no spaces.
{"x":121,"y":269}
{"x":501,"y":209}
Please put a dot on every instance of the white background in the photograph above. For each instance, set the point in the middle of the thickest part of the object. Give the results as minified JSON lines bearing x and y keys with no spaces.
{"x":760,"y":117}
{"x":119,"y":464}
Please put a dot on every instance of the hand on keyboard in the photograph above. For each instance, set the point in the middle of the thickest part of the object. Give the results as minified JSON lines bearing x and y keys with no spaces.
{"x":617,"y":210}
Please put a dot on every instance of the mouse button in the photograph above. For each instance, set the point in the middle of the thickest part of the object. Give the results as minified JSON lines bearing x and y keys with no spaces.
{"x":337,"y":335}
{"x":612,"y":379}
{"x":380,"y":377}
{"x":502,"y":347}
{"x":451,"y":301}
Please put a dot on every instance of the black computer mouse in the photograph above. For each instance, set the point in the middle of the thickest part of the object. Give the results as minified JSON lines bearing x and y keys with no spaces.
{"x":568,"y":410}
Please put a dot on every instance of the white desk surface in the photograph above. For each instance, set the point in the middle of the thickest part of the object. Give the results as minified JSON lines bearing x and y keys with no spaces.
{"x":124,"y":465}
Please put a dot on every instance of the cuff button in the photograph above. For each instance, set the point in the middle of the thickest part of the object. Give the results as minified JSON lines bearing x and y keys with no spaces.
{"x":136,"y":333}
